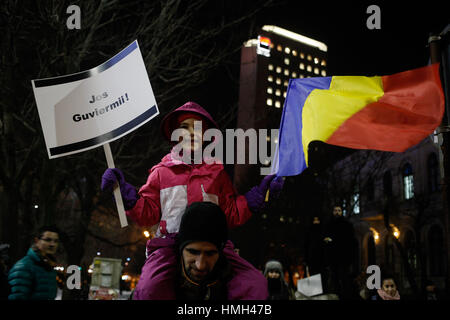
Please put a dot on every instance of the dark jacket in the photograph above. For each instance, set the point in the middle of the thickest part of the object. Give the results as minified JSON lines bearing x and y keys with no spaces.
{"x":341,"y":249}
{"x":314,"y":249}
{"x":31,"y":278}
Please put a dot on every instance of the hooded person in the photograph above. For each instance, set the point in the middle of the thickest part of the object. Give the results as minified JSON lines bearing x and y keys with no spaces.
{"x":173,"y":184}
{"x":277,"y":286}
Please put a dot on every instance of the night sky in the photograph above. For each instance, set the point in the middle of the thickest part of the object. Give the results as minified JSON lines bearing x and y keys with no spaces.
{"x":353,"y":49}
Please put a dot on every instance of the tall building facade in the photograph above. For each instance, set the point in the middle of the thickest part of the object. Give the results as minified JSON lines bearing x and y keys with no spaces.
{"x":267,"y":64}
{"x":390,"y":197}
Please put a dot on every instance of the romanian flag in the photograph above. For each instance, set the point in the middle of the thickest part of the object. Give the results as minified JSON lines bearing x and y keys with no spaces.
{"x":387,"y":113}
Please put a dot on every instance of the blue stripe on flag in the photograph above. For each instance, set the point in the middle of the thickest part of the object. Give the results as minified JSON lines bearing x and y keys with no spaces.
{"x":291,"y":159}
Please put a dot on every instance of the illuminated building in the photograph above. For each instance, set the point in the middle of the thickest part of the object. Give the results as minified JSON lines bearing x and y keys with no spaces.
{"x":267,"y":64}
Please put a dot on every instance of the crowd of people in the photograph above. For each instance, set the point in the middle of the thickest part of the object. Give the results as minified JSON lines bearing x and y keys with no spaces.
{"x":191,"y":257}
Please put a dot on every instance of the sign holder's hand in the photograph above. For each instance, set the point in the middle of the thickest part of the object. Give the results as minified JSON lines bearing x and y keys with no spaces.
{"x":117,"y":194}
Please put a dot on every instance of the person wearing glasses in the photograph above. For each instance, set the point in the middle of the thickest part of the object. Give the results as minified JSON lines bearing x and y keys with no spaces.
{"x":33,"y":277}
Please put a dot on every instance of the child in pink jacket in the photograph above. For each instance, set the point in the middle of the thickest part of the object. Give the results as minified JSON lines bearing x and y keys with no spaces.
{"x":171,"y":186}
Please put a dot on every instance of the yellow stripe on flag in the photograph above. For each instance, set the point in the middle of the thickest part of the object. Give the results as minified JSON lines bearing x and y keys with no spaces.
{"x":325,"y":111}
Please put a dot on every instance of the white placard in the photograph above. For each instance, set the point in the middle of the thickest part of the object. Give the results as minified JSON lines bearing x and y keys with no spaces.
{"x":310,"y":286}
{"x":82,"y":111}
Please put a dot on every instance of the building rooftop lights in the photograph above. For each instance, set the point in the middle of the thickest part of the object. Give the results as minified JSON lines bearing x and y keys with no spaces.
{"x":296,"y":37}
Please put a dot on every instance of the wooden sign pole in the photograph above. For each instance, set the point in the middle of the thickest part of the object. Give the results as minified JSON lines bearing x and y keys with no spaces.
{"x":117,"y":195}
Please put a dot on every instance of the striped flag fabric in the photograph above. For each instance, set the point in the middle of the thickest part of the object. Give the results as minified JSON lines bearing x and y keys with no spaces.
{"x":387,"y":113}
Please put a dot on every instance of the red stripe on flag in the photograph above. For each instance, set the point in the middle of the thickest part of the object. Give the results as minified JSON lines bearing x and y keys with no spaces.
{"x":411,"y":108}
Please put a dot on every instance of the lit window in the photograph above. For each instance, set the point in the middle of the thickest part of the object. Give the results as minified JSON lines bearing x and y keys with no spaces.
{"x":278,"y":69}
{"x":302,"y":55}
{"x":284,"y":94}
{"x":301,"y":76}
{"x":294,"y":74}
{"x":323,"y":63}
{"x":270,"y":78}
{"x":302,"y":66}
{"x":286,"y":72}
{"x":309,"y":68}
{"x":287,"y":50}
{"x":277,"y":104}
{"x":279,"y":48}
{"x":309,"y":57}
{"x":270,"y":67}
{"x":294,"y":53}
{"x":278,"y":81}
{"x":269,"y":102}
{"x":269,"y":90}
{"x":408,"y":181}
{"x":316,"y":60}
{"x":316,"y":70}
{"x":286,"y":61}
{"x":278,"y":92}
{"x":323,"y":73}
{"x":355,"y":203}
{"x":286,"y":83}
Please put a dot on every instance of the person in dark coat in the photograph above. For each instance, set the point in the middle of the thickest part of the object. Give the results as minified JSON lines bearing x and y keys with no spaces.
{"x":33,"y":277}
{"x":314,"y":247}
{"x":340,"y":247}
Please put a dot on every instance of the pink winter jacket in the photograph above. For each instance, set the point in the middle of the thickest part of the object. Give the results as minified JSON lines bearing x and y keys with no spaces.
{"x":172,"y":185}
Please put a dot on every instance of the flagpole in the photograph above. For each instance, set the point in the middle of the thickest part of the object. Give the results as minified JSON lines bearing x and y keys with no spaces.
{"x":434,"y":42}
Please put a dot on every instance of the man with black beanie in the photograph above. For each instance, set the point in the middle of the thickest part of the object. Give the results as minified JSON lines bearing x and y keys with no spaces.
{"x":201,"y":264}
{"x":204,"y":272}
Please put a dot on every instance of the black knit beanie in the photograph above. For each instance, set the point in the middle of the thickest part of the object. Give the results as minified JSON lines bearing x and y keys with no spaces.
{"x":203,"y":221}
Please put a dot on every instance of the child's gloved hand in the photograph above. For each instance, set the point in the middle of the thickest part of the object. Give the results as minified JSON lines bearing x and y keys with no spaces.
{"x":275,"y":187}
{"x":256,"y":196}
{"x":129,"y":194}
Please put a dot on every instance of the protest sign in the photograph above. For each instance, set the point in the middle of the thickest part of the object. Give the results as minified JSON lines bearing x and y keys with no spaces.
{"x":82,"y":111}
{"x":310,"y":286}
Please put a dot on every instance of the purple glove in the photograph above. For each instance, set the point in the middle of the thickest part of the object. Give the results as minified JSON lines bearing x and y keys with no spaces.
{"x":275,"y":187}
{"x":256,"y":196}
{"x":128,"y":192}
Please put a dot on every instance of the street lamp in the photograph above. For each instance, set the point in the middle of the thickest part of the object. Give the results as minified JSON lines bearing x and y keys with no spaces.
{"x":395,"y":231}
{"x":376,"y":235}
{"x":146,"y":234}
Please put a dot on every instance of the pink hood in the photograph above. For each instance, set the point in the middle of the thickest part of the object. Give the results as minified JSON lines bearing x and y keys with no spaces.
{"x":169,"y":124}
